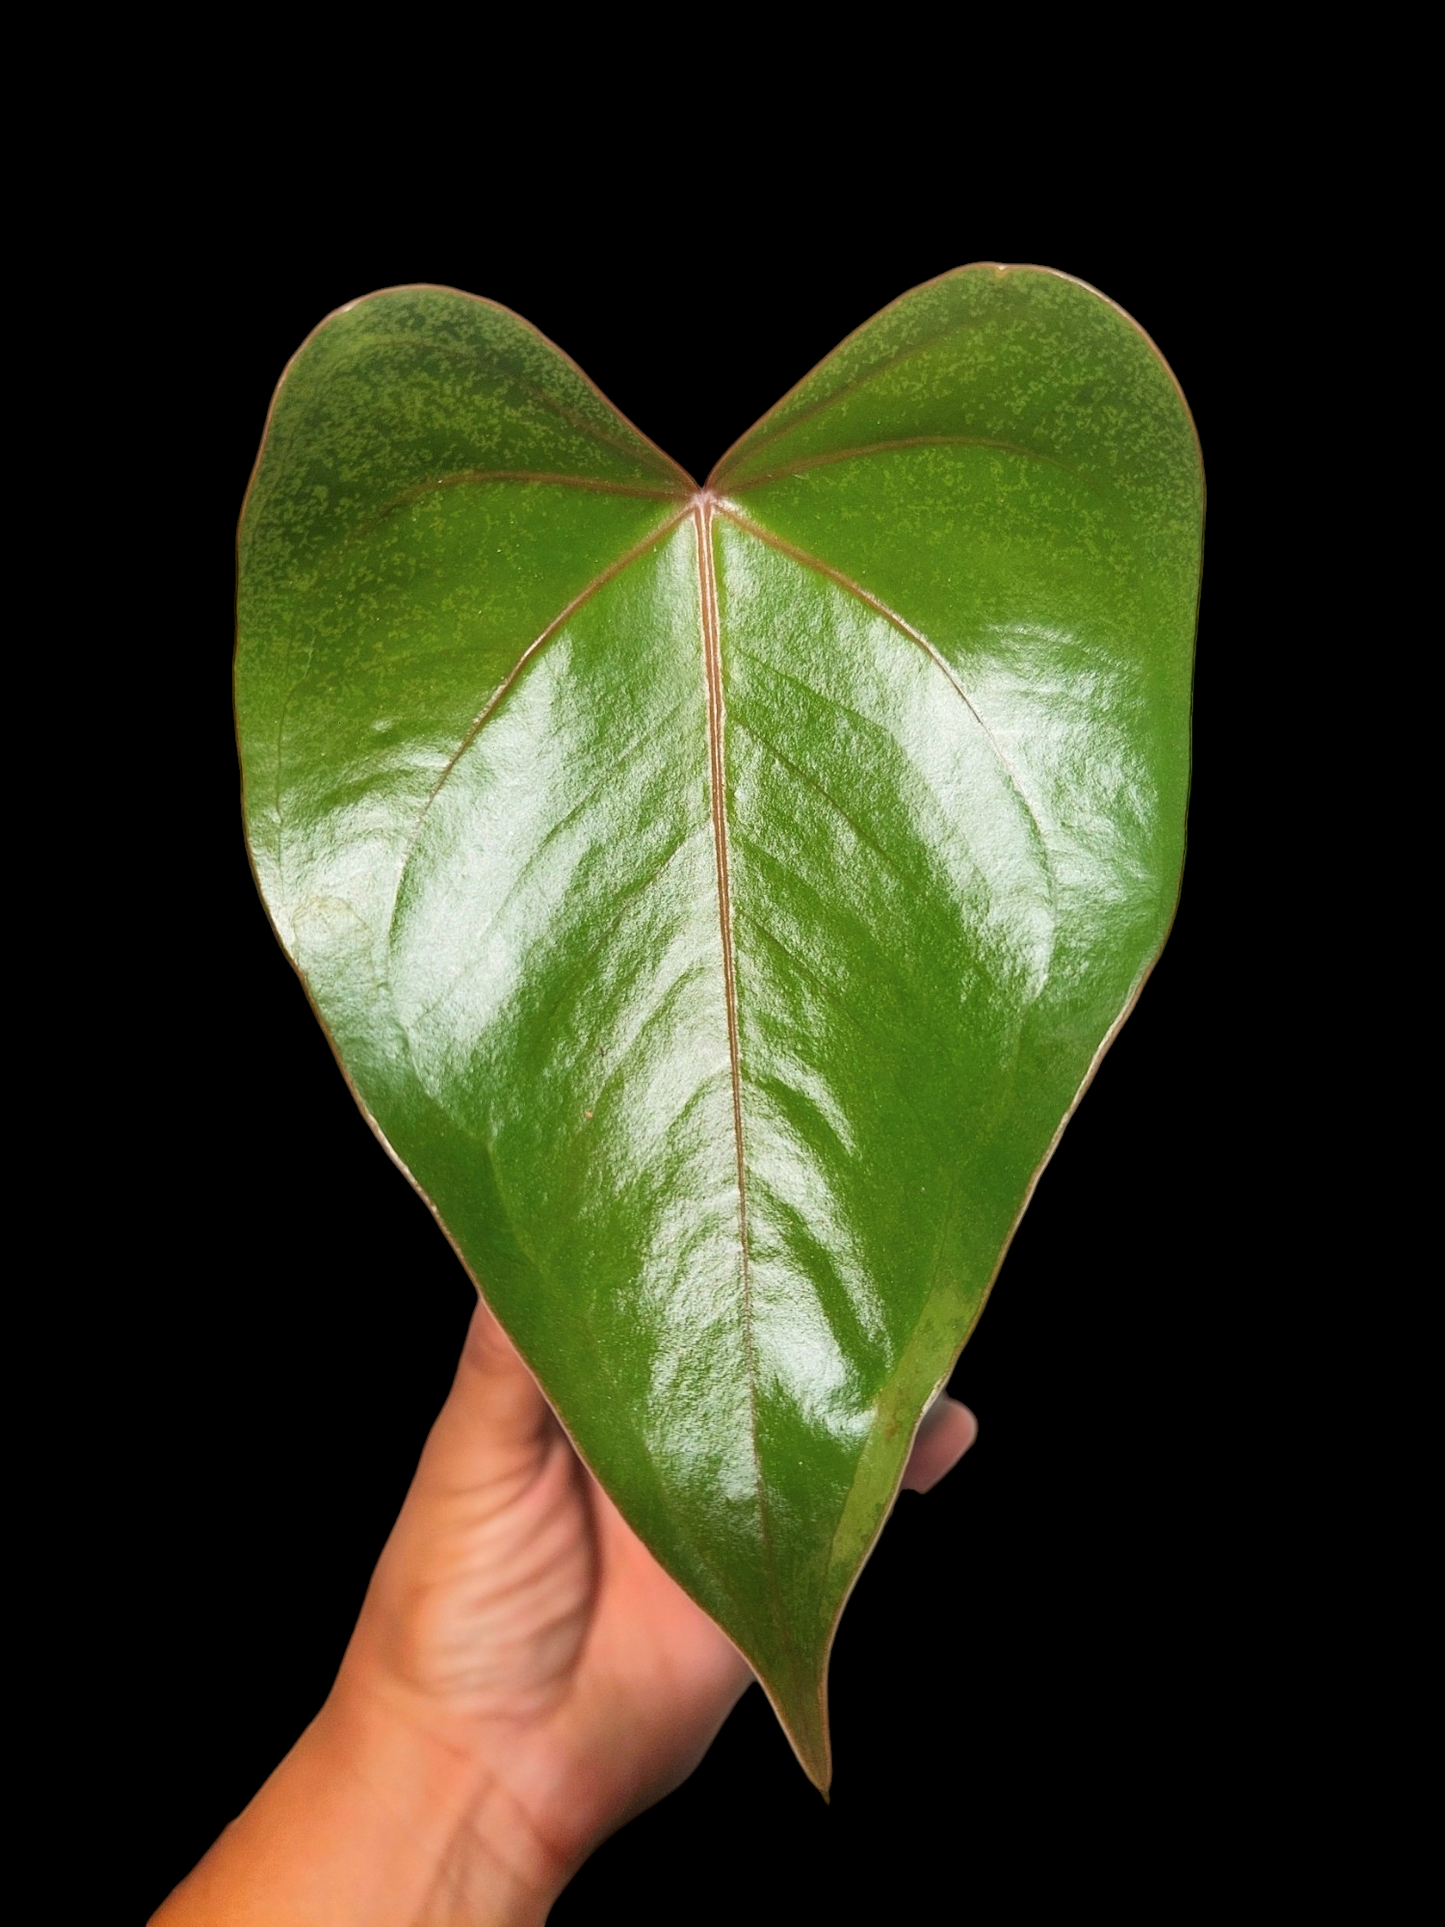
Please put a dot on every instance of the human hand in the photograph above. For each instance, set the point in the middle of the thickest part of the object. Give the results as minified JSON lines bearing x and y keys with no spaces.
{"x":523,"y":1678}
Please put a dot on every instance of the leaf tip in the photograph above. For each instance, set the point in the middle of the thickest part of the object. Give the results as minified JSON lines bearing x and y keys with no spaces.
{"x":804,"y":1720}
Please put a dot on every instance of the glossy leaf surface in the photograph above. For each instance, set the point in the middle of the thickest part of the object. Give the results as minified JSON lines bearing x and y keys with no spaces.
{"x":718,"y":897}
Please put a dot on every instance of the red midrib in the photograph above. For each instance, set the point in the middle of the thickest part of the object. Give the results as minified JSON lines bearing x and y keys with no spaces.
{"x":716,"y":718}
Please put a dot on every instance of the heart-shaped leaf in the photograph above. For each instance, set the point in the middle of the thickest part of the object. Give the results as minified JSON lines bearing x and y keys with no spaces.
{"x":719,"y":897}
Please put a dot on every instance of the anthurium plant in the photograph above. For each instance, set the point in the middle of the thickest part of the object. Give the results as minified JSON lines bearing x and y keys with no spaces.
{"x":718,"y":896}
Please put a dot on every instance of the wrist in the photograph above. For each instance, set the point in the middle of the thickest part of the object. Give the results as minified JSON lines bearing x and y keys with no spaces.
{"x":437,"y":1814}
{"x":444,"y":1806}
{"x":371,"y":1820}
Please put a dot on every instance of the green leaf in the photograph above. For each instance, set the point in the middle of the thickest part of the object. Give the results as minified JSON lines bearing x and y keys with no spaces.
{"x":718,"y":898}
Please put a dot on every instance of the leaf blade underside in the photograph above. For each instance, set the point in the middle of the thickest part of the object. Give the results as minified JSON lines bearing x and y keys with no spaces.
{"x":718,"y":898}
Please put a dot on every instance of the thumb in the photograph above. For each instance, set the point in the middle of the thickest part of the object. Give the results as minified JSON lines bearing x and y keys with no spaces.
{"x":947,"y":1431}
{"x":495,"y":1418}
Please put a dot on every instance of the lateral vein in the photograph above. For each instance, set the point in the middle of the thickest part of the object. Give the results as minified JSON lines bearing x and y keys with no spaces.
{"x":904,"y":628}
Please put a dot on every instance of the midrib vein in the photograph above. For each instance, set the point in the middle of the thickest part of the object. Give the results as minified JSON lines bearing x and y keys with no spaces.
{"x":716,"y":718}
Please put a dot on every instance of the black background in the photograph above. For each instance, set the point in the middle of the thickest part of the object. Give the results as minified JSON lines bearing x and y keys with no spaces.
{"x":1033,"y":1664}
